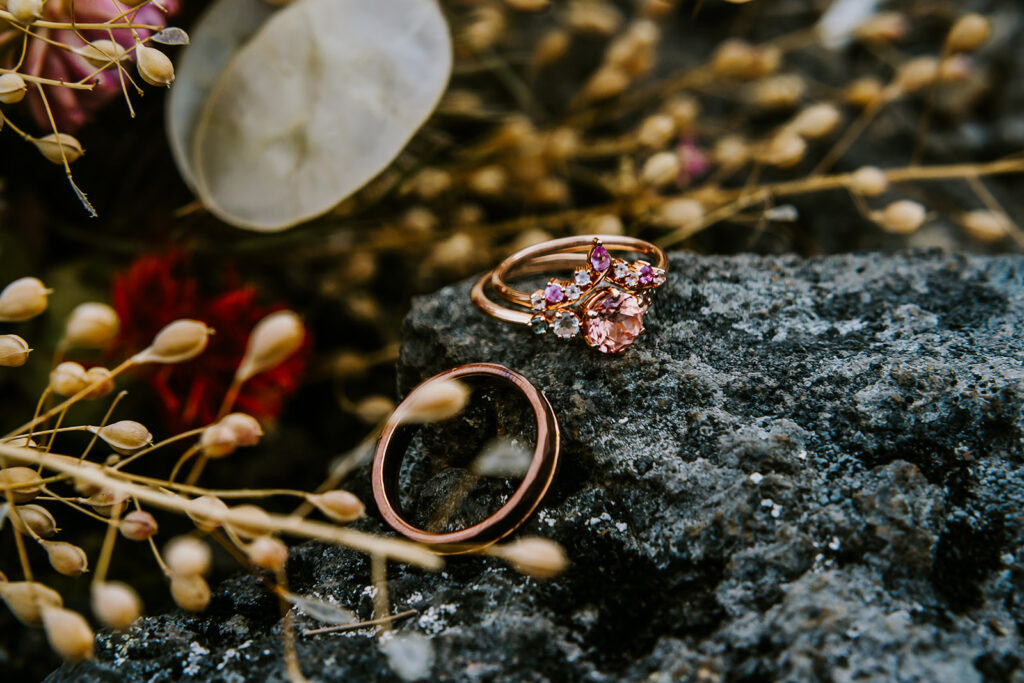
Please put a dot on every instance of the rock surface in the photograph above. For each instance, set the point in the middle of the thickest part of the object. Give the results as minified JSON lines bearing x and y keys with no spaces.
{"x":804,"y":470}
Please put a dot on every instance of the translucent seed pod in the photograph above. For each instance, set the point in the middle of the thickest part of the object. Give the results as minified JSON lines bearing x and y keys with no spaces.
{"x":154,"y":66}
{"x":902,"y":217}
{"x":731,"y":152}
{"x":92,"y":325}
{"x":23,"y":299}
{"x":373,"y":409}
{"x":108,"y":502}
{"x":13,"y":351}
{"x":57,"y":147}
{"x":779,"y":92}
{"x":274,"y":339}
{"x":12,"y":88}
{"x":100,"y":53}
{"x":917,"y":74}
{"x":485,"y":29}
{"x":115,"y":604}
{"x":551,"y":47}
{"x":868,"y":181}
{"x":489,"y":181}
{"x":25,"y":11}
{"x":24,"y":483}
{"x":338,"y":506}
{"x":249,"y":521}
{"x":660,"y":169}
{"x":816,"y":121}
{"x":246,"y":428}
{"x":138,"y":525}
{"x":67,"y":379}
{"x":537,"y":557}
{"x":681,"y":213}
{"x":34,"y":519}
{"x":26,"y":599}
{"x":864,"y":92}
{"x":656,"y":131}
{"x":179,"y":341}
{"x":435,"y":402}
{"x":68,"y":633}
{"x":101,"y":381}
{"x":125,"y":437}
{"x":884,"y":27}
{"x":208,"y":517}
{"x":986,"y":226}
{"x":218,"y":441}
{"x":66,"y":558}
{"x":268,"y":552}
{"x":190,"y":592}
{"x":608,"y":81}
{"x":785,"y":149}
{"x":968,"y":33}
{"x":187,"y":556}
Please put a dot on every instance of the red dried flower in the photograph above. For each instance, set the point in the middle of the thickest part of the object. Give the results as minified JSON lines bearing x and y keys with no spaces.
{"x":158,"y":289}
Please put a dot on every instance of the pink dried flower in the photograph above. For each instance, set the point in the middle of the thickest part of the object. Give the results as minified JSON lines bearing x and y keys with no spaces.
{"x":693,"y":161}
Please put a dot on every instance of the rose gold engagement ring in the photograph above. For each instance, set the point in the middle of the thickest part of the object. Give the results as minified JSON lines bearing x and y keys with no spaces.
{"x":605,"y":298}
{"x":395,"y":439}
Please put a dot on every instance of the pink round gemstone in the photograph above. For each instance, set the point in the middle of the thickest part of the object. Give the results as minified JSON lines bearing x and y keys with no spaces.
{"x":646,"y":275}
{"x":600,"y":259}
{"x":554,"y":293}
{"x":617,"y":321}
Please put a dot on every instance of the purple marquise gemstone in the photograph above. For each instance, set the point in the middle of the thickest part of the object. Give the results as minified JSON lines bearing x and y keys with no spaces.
{"x":646,"y":275}
{"x":554,"y":293}
{"x":600,"y":259}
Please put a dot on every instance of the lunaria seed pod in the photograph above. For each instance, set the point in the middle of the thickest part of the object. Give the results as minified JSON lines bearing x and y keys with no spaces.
{"x":435,"y":402}
{"x":868,"y":181}
{"x":986,"y":226}
{"x":101,"y":381}
{"x":207,"y":518}
{"x":125,"y":437}
{"x":34,"y":519}
{"x":154,"y":66}
{"x":249,"y":521}
{"x":25,"y":11}
{"x":51,"y":146}
{"x":338,"y":506}
{"x":274,"y":338}
{"x":115,"y":604}
{"x":268,"y":552}
{"x":190,"y":592}
{"x":902,"y":217}
{"x":13,"y":351}
{"x":100,"y":53}
{"x":138,"y":525}
{"x":26,"y":599}
{"x":968,"y":33}
{"x":23,"y":299}
{"x":67,"y":558}
{"x":12,"y":88}
{"x":218,"y":440}
{"x":533,"y":556}
{"x":186,"y":555}
{"x":24,"y":483}
{"x":92,"y":325}
{"x":246,"y":428}
{"x":179,"y":341}
{"x":68,"y":633}
{"x":108,"y":502}
{"x":67,"y":379}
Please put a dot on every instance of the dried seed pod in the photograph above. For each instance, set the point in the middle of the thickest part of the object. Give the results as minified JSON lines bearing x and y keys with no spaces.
{"x":785,"y":149}
{"x":274,"y":338}
{"x":816,"y":121}
{"x":864,"y":92}
{"x":26,"y":600}
{"x":681,"y":213}
{"x":187,"y":556}
{"x":108,"y":502}
{"x":489,"y":181}
{"x":536,"y":557}
{"x":550,"y":190}
{"x":25,"y":11}
{"x":23,"y":299}
{"x":154,"y":66}
{"x":100,"y":53}
{"x":67,"y":558}
{"x":338,"y":506}
{"x":125,"y":437}
{"x":13,"y":351}
{"x":21,"y":442}
{"x":92,"y":325}
{"x":246,"y":428}
{"x":68,"y":633}
{"x":190,"y":592}
{"x":779,"y":92}
{"x":429,"y":183}
{"x":57,"y":147}
{"x":734,"y":58}
{"x":731,"y":152}
{"x":884,"y":27}
{"x":968,"y":33}
{"x":12,"y":88}
{"x":67,"y":379}
{"x":34,"y":519}
{"x":218,"y":441}
{"x":208,"y":518}
{"x":268,"y":552}
{"x":485,"y":29}
{"x":917,"y":74}
{"x":435,"y":402}
{"x":661,"y":169}
{"x":528,"y":5}
{"x":101,"y":381}
{"x":115,"y":604}
{"x":656,"y":131}
{"x":902,"y":217}
{"x":986,"y":226}
{"x":551,"y":47}
{"x":868,"y":181}
{"x":138,"y":525}
{"x":606,"y":82}
{"x":562,"y":144}
{"x":373,"y":409}
{"x":24,"y":483}
{"x":249,"y":521}
{"x":179,"y":341}
{"x":596,"y":16}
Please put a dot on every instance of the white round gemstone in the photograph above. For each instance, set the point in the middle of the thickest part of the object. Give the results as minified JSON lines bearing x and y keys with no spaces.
{"x":572,"y":292}
{"x":632,"y":279}
{"x":566,"y":325}
{"x":537,"y":300}
{"x":659,"y":276}
{"x":582,"y":278}
{"x":621,"y":268}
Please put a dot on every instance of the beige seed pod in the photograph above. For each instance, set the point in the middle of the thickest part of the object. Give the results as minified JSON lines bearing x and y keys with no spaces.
{"x":268,"y":552}
{"x":23,"y":299}
{"x":68,"y":633}
{"x":92,"y":325}
{"x":549,"y":190}
{"x":779,"y":92}
{"x":968,"y":33}
{"x":100,"y":53}
{"x":608,"y":81}
{"x":34,"y":519}
{"x":660,"y":169}
{"x":373,"y":409}
{"x":656,"y":131}
{"x":22,"y":442}
{"x":731,"y":152}
{"x":115,"y":604}
{"x":528,"y":5}
{"x":208,"y":517}
{"x":274,"y":338}
{"x":954,"y":69}
{"x":551,"y":47}
{"x":917,"y":74}
{"x":684,"y":111}
{"x":537,"y":557}
{"x":489,"y":181}
{"x":13,"y":351}
{"x":12,"y":88}
{"x":429,"y":184}
{"x":595,"y":16}
{"x":51,"y":146}
{"x":25,"y":11}
{"x":434,"y":402}
{"x":179,"y":341}
{"x":249,"y":521}
{"x":868,"y":181}
{"x":108,"y":502}
{"x":562,"y":144}
{"x":190,"y":592}
{"x":24,"y":483}
{"x":67,"y":558}
{"x":125,"y":437}
{"x":602,"y":224}
{"x":420,"y":219}
{"x":338,"y":506}
{"x":26,"y":600}
{"x":864,"y":92}
{"x":218,"y":441}
{"x":785,"y":149}
{"x":681,"y":213}
{"x":735,"y":58}
{"x":138,"y":525}
{"x":67,"y":379}
{"x":486,"y":28}
{"x":187,"y":556}
{"x":101,"y":381}
{"x":816,"y":121}
{"x":986,"y":226}
{"x":902,"y":217}
{"x":246,"y":428}
{"x":884,"y":27}
{"x":154,"y":66}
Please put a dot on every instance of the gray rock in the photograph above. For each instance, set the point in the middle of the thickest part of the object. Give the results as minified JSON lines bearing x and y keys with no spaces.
{"x":805,"y":470}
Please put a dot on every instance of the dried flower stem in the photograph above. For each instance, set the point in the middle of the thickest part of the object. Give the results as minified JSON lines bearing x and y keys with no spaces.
{"x":381,"y":598}
{"x":391,"y":618}
{"x":160,"y":444}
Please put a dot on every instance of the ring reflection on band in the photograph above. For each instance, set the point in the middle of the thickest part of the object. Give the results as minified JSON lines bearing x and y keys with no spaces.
{"x":605,"y":298}
{"x":395,"y":439}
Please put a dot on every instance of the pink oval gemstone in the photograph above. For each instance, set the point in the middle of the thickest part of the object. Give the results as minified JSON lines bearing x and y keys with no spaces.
{"x":600,"y":259}
{"x":617,"y":321}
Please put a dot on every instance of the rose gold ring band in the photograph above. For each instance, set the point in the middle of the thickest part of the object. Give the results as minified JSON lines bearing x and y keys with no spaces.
{"x":395,"y":439}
